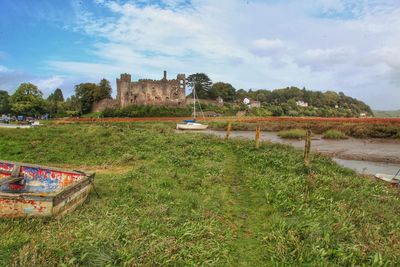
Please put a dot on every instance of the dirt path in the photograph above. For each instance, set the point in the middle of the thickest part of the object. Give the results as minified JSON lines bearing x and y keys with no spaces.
{"x":244,"y":213}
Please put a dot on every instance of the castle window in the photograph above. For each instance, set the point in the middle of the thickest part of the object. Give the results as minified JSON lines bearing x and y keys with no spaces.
{"x":181,"y":86}
{"x":181,"y":81}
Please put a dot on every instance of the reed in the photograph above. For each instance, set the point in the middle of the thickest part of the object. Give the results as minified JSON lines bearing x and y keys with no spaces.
{"x":192,"y":200}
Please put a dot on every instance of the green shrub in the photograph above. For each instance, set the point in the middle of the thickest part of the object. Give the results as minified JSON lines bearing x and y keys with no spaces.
{"x":334,"y":134}
{"x":292,"y":134}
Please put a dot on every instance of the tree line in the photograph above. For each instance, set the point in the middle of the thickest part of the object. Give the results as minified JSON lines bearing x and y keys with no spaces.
{"x":282,"y":101}
{"x":28,"y":100}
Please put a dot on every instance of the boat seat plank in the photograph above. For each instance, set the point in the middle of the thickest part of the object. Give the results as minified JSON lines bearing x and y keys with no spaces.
{"x":14,"y":177}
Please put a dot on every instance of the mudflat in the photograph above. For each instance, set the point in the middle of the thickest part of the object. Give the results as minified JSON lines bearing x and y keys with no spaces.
{"x":376,"y":150}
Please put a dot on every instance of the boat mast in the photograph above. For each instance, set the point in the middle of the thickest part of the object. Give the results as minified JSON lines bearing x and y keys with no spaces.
{"x":194,"y":101}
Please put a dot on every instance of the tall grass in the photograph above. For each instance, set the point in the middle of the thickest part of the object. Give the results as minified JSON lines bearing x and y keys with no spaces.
{"x":334,"y":134}
{"x":292,"y":134}
{"x":358,"y":130}
{"x":190,"y":200}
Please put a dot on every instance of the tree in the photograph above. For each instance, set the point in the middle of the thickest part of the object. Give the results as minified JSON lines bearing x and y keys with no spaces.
{"x":201,"y":83}
{"x":72,"y":106}
{"x":56,"y":102}
{"x":28,"y":100}
{"x":85,"y":93}
{"x":224,"y":90}
{"x":56,"y":96}
{"x":240,"y":95}
{"x":4,"y":102}
{"x":103,"y":90}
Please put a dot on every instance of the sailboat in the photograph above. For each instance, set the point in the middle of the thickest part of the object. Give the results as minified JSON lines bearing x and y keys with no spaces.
{"x":192,"y":124}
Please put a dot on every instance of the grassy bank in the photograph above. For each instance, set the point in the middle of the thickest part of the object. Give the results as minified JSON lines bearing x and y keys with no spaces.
{"x":292,"y":134}
{"x":189,"y":200}
{"x":358,"y":130}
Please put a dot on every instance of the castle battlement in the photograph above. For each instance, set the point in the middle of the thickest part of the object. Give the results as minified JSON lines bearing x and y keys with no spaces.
{"x":151,"y":92}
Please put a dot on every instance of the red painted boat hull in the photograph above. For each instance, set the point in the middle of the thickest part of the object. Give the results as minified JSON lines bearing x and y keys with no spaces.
{"x":40,"y":191}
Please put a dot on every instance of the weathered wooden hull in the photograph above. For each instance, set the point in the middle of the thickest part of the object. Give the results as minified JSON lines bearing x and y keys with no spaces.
{"x":42,"y":191}
{"x":388,"y":178}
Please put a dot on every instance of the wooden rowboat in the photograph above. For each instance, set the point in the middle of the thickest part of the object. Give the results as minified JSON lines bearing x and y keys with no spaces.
{"x":393,"y":180}
{"x":32,"y":190}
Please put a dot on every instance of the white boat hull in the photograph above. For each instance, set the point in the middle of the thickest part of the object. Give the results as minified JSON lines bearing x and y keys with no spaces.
{"x":14,"y":126}
{"x":191,"y":126}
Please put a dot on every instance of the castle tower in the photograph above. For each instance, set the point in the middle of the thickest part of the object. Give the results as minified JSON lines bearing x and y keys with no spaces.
{"x":182,"y":87}
{"x":123,"y":87}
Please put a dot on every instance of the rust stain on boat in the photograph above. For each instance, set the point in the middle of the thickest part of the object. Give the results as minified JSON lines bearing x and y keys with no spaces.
{"x":33,"y":190}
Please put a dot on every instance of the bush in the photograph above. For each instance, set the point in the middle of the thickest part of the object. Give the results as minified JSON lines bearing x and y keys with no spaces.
{"x":334,"y":134}
{"x":292,"y":134}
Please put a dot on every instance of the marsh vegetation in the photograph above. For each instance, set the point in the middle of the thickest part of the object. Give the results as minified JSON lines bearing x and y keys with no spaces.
{"x":192,"y":199}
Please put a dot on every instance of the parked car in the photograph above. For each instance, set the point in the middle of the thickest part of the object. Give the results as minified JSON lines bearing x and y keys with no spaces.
{"x":4,"y":119}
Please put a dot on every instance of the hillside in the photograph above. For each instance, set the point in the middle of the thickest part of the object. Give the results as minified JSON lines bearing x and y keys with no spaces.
{"x":284,"y":101}
{"x":387,"y":113}
{"x":279,"y":102}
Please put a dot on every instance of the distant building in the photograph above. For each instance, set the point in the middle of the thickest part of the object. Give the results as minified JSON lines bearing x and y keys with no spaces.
{"x":301,"y":103}
{"x":251,"y":103}
{"x":254,"y":104}
{"x":220,"y":101}
{"x":151,"y":92}
{"x":363,"y":115}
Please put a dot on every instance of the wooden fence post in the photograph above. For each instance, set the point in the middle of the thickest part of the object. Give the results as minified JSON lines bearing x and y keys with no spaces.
{"x":258,"y":137}
{"x":307,"y":148}
{"x":228,"y":131}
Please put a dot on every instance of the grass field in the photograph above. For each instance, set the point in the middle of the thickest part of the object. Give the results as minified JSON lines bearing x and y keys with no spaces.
{"x":190,"y":200}
{"x":354,"y":127}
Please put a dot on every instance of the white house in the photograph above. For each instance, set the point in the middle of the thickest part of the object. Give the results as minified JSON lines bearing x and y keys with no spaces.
{"x":246,"y":101}
{"x":302,"y":103}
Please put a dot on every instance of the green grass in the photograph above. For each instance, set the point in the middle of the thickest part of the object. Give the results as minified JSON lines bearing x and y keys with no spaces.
{"x":188,"y":200}
{"x":92,"y":115}
{"x":387,"y":113}
{"x":357,"y":130}
{"x":334,"y":134}
{"x":292,"y":134}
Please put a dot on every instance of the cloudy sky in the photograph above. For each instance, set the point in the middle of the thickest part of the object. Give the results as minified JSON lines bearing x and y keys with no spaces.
{"x":340,"y":45}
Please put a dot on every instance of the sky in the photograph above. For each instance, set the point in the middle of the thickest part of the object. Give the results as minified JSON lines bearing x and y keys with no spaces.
{"x":337,"y":45}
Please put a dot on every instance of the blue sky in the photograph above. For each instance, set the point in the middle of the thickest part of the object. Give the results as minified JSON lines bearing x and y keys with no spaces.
{"x":339,"y":45}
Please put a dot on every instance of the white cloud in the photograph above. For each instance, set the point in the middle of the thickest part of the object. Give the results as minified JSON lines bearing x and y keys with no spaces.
{"x":48,"y":85}
{"x":11,"y":79}
{"x":325,"y":44}
{"x":83,"y":68}
{"x":388,"y":55}
{"x":4,"y":69}
{"x":327,"y":58}
{"x":267,"y":47}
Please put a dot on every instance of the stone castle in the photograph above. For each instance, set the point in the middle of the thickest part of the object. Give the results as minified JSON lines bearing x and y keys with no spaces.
{"x":151,"y":92}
